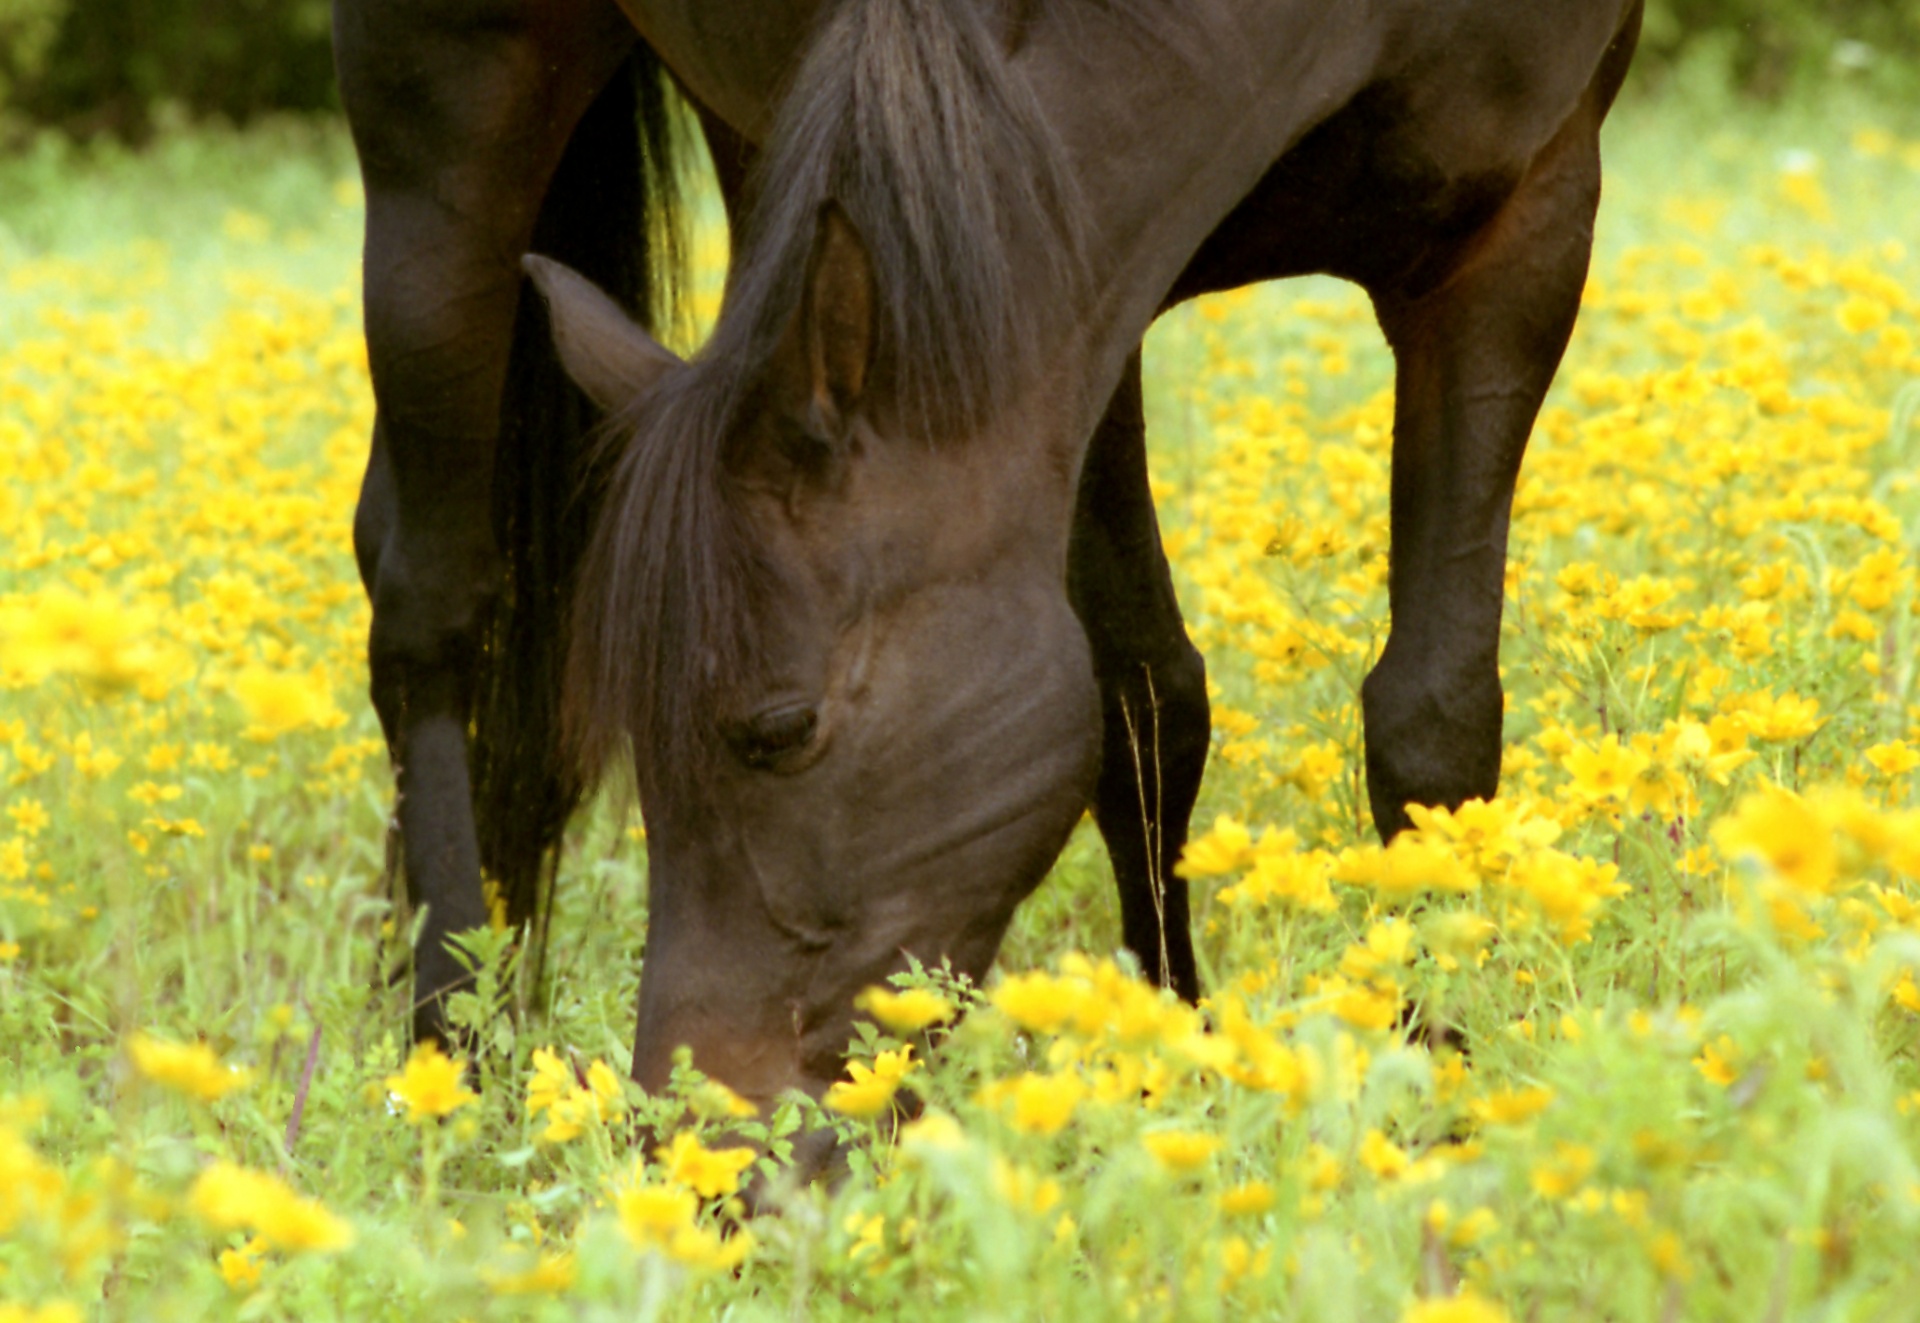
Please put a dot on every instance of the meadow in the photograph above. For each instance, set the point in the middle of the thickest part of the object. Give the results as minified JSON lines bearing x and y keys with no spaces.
{"x":1637,"y":1040}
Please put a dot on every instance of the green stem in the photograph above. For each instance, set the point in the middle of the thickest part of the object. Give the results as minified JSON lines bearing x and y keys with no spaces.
{"x":430,"y":1168}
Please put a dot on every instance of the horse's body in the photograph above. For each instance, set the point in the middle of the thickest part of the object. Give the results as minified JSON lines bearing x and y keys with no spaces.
{"x":865,"y":716}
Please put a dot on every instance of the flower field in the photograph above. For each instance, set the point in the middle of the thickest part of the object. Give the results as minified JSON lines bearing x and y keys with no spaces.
{"x":1638,"y":1040}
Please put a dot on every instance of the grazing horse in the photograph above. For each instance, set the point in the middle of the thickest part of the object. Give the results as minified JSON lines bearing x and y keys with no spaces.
{"x":871,"y":588}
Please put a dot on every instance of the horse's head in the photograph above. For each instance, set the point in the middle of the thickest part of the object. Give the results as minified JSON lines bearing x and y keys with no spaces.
{"x":860,"y":707}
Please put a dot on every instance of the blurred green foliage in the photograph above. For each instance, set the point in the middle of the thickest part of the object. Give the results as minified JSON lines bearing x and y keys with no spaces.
{"x":121,"y":66}
{"x":27,"y":32}
{"x":1771,"y":48}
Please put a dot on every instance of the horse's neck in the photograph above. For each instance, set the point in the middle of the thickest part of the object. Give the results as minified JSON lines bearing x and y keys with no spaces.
{"x":1164,"y":144}
{"x":733,"y":56}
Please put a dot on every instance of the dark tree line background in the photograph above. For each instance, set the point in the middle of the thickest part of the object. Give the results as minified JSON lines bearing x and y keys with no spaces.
{"x":118,"y":66}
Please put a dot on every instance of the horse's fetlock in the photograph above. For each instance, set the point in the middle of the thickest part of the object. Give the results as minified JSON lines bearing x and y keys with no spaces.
{"x":1432,"y":735}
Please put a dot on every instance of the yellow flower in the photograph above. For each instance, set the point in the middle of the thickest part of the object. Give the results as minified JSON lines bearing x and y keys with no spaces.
{"x":1456,"y":936}
{"x":1239,"y":1260}
{"x":1410,"y":864}
{"x":1384,"y":1158}
{"x":1783,"y":831}
{"x":714,"y":1099}
{"x":660,"y":1218}
{"x":1372,"y":1007}
{"x":905,"y":1012}
{"x":1322,"y":1168}
{"x":1582,"y":578}
{"x":1249,"y":1200}
{"x":1285,"y":873}
{"x":706,"y":1250}
{"x":1875,"y":580}
{"x":1181,"y":1150}
{"x":552,"y":1081}
{"x":652,"y":1214}
{"x":1690,"y":747}
{"x":548,"y":1274}
{"x":231,"y":1198}
{"x":1566,"y":890}
{"x":1892,"y":759}
{"x":1906,"y":994}
{"x":1043,"y":1104}
{"x":99,"y":640}
{"x":609,"y":1095}
{"x":1718,"y":1061}
{"x":1227,"y":847}
{"x":277,"y":702}
{"x":1669,"y":1256}
{"x":1471,"y":1229}
{"x":1024,"y":1189}
{"x":1788,"y":717}
{"x":53,"y":1311}
{"x":1511,"y":1106}
{"x":1605,"y":771}
{"x":1467,"y":1307}
{"x":1038,"y":1001}
{"x":1387,"y":946}
{"x":869,"y":1234}
{"x":934,"y":1132}
{"x":29,"y":816}
{"x":431,"y":1084}
{"x":192,"y":1068}
{"x":240,"y":1268}
{"x":1638,"y":603}
{"x":1258,"y":1059}
{"x":871,"y":1088}
{"x":568,"y":1105}
{"x":1560,"y":1176}
{"x":708,"y":1172}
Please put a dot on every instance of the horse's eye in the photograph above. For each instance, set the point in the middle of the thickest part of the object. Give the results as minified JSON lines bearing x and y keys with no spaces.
{"x":765,"y":738}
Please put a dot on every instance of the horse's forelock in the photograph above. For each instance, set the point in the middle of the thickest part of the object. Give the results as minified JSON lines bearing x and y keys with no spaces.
{"x":909,"y":115}
{"x":664,"y":606}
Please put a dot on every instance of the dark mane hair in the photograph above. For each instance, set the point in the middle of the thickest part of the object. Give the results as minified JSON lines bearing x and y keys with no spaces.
{"x":909,"y":116}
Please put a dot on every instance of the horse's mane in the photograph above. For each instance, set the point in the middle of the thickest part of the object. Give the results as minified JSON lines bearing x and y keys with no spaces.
{"x":909,"y":115}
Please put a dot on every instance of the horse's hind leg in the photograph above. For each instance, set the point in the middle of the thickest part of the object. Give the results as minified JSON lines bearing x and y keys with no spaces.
{"x":459,"y":117}
{"x":1153,"y":690}
{"x":1475,"y":355}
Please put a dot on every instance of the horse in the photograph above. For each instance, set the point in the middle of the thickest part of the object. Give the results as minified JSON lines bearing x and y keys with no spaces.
{"x":869,"y":590}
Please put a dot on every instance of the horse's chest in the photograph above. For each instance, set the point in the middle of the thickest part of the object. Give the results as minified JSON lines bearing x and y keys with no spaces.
{"x":1372,"y":194}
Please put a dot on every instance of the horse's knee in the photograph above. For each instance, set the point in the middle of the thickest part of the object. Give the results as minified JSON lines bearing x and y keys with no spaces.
{"x":1432,"y":737}
{"x":1186,"y":719}
{"x":374,"y":514}
{"x":431,"y":607}
{"x":1158,"y":712}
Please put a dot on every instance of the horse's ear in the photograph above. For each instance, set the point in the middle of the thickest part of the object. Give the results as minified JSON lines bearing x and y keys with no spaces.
{"x":837,"y":317}
{"x":606,"y":354}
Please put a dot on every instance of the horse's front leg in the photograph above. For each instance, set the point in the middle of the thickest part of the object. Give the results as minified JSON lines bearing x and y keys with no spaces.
{"x":1475,"y":356}
{"x":1153,"y":690}
{"x":459,"y":117}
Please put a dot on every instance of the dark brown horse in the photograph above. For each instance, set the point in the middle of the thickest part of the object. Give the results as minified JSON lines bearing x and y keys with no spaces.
{"x":872,"y":587}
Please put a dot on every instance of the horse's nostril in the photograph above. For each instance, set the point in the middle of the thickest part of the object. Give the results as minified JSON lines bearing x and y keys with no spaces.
{"x":763,"y":739}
